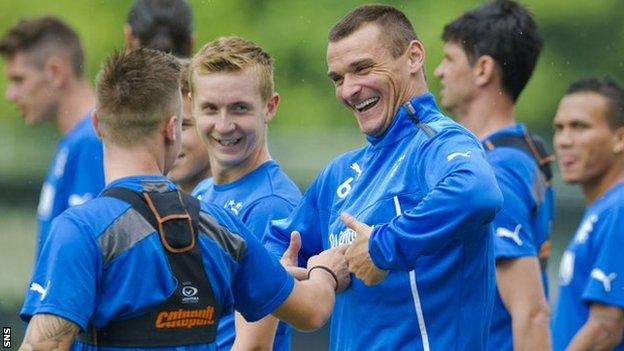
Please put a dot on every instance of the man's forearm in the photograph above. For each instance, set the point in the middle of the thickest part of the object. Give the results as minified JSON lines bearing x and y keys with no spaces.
{"x":49,"y":332}
{"x":531,"y":331}
{"x":597,"y":334}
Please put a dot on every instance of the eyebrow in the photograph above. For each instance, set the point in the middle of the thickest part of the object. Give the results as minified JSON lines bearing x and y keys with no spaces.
{"x":354,"y":66}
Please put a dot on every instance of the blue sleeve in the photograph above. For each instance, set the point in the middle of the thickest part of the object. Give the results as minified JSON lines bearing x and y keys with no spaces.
{"x":261,"y":283}
{"x":606,"y":281}
{"x":305,"y":218}
{"x":65,"y":275}
{"x":513,"y":232}
{"x":84,"y":174}
{"x":462,"y":197}
{"x":260,"y":213}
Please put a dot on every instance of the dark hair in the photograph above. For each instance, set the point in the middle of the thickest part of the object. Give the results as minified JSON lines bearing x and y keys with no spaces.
{"x":398,"y":30}
{"x":136,"y":91}
{"x":608,"y":88}
{"x":505,"y":31}
{"x":39,"y":38}
{"x":164,"y":25}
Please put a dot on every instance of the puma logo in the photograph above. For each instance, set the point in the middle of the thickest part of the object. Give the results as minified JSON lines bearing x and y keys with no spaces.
{"x":38,"y":288}
{"x":605,"y":279}
{"x":356,"y":168}
{"x":456,"y":154}
{"x":506,"y":233}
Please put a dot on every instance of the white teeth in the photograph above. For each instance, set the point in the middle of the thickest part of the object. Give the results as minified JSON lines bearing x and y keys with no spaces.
{"x":360,"y":106}
{"x":228,"y":142}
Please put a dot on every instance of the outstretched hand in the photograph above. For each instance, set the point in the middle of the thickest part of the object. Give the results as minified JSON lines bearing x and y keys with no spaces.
{"x":334,"y":260}
{"x":357,"y":255}
{"x":290,"y":259}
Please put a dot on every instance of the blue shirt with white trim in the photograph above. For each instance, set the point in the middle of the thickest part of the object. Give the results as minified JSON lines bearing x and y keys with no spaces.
{"x":524,"y":223}
{"x":592,"y":267}
{"x":72,"y":279}
{"x":76,"y":175}
{"x":258,"y":197}
{"x":430,"y":200}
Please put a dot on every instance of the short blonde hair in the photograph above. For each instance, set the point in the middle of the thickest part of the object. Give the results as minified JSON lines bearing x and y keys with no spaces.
{"x":234,"y":54}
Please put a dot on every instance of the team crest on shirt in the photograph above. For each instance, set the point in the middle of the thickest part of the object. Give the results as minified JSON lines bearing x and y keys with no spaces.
{"x":566,"y":268}
{"x":234,"y":206}
{"x":582,"y":234}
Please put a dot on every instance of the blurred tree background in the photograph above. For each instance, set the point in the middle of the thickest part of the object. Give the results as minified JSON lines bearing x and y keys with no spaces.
{"x":581,"y":39}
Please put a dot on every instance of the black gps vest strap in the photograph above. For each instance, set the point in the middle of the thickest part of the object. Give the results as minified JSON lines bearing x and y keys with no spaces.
{"x":411,"y":111}
{"x":531,"y":144}
{"x":190,"y":315}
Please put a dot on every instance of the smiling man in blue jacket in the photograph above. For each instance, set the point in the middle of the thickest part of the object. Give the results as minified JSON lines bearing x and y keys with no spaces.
{"x":415,"y":203}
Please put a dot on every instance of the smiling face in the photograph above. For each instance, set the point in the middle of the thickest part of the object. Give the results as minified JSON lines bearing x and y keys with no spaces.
{"x":368,"y":80}
{"x":457,"y":79}
{"x":193,"y":163}
{"x":30,"y":88}
{"x":587,"y":148}
{"x":232,"y":121}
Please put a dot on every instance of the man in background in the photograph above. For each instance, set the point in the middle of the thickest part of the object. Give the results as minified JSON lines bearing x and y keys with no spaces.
{"x":193,"y":163}
{"x":489,"y":56}
{"x":44,"y":62}
{"x":233,"y":103}
{"x":589,"y":142}
{"x":164,"y":25}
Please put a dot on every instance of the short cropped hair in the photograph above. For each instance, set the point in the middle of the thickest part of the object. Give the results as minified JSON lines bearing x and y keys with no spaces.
{"x":136,"y":91}
{"x":41,"y":37}
{"x":396,"y":28}
{"x":234,"y":54}
{"x":608,"y":88}
{"x":165,"y":25}
{"x":505,"y":31}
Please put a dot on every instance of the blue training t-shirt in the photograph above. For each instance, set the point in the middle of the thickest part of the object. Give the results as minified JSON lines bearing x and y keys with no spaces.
{"x":258,"y":197}
{"x":72,"y":278}
{"x":430,"y":200}
{"x":592,"y":267}
{"x":523,"y":225}
{"x":76,"y":175}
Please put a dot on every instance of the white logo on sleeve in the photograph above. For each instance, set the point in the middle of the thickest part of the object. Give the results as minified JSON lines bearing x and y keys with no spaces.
{"x":358,"y":170}
{"x":605,"y":279}
{"x":36,"y":287}
{"x":585,"y":229}
{"x":457,"y":154}
{"x":506,"y":233}
{"x":75,"y":199}
{"x":46,"y":200}
{"x":566,"y":269}
{"x":59,"y":162}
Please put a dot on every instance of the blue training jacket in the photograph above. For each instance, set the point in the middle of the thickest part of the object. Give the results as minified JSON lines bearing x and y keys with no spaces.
{"x":430,"y":199}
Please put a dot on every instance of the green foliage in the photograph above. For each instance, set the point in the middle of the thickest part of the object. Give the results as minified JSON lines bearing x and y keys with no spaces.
{"x":582,"y":39}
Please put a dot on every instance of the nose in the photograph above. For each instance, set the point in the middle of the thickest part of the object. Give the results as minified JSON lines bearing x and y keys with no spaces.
{"x":439,"y":71}
{"x":350,"y":88}
{"x":224,"y":123}
{"x":11,"y":93}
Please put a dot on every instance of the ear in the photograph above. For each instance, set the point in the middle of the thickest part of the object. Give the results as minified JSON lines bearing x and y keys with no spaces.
{"x":416,"y":56}
{"x":96,"y":124}
{"x":271,"y":107}
{"x":57,"y":70}
{"x":172,"y":129}
{"x":484,"y":70}
{"x":130,"y":41}
{"x":618,"y":145}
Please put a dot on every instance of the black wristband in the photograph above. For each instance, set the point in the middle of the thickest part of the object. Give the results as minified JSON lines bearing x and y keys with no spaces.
{"x":328,"y":270}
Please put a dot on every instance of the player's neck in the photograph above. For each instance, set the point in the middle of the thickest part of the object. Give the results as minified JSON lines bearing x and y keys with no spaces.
{"x":77,"y":100}
{"x":189,"y":185}
{"x":222,"y":174}
{"x":125,"y":161}
{"x":487,"y":113}
{"x":595,"y":189}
